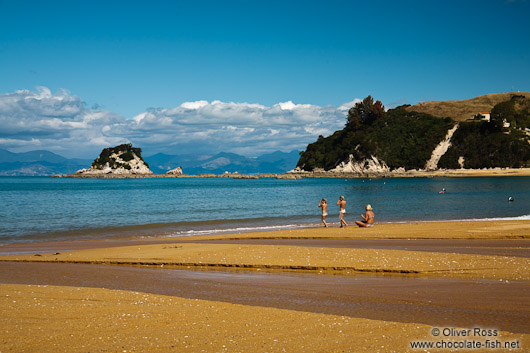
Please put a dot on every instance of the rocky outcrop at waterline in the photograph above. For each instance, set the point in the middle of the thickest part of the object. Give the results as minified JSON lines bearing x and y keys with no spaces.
{"x":369,"y":165}
{"x":176,"y":171}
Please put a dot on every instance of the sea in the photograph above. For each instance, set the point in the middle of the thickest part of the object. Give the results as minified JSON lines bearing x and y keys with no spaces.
{"x":35,"y":209}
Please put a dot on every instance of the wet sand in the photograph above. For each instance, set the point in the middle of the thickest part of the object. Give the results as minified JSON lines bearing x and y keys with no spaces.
{"x":288,"y":258}
{"x":436,"y":302}
{"x":422,"y":275}
{"x":518,"y":248}
{"x":470,"y":231}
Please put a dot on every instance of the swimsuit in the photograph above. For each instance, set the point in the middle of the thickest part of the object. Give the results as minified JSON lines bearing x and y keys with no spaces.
{"x":324,"y":214}
{"x":342,"y":211}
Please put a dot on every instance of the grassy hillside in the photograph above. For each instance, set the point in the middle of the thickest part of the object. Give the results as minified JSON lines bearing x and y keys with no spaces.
{"x":464,"y":109}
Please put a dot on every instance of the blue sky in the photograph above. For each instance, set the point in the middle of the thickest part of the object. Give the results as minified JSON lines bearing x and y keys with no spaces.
{"x":121,"y":59}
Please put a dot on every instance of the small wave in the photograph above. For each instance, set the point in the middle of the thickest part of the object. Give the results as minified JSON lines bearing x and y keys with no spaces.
{"x":190,"y":233}
{"x":515,"y":218}
{"x":518,"y":218}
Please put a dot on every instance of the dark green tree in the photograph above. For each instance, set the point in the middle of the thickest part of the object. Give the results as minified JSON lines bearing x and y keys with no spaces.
{"x":365,"y":112}
{"x":516,"y":111}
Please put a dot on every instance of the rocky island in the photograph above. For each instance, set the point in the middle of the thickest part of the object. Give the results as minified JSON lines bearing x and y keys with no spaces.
{"x":125,"y":161}
{"x":120,"y":161}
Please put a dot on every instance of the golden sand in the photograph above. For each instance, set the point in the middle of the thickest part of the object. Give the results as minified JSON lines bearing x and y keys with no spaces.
{"x":71,"y":319}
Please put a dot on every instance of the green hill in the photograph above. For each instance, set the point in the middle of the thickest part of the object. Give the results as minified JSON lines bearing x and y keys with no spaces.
{"x":404,"y":137}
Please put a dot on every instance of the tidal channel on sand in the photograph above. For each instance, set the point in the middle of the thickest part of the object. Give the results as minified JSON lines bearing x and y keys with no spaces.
{"x":466,"y":303}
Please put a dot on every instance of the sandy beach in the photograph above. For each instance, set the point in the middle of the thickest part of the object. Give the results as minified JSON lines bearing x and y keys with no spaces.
{"x":486,"y":172}
{"x":444,"y":173}
{"x":306,"y":290}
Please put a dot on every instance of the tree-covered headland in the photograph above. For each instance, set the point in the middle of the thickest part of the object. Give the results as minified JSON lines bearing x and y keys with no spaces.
{"x":404,"y":138}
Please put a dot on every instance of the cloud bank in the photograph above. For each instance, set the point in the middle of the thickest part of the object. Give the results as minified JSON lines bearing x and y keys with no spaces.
{"x":62,"y":123}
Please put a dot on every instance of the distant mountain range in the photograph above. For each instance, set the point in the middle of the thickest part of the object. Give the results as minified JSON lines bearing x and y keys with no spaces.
{"x":45,"y":163}
{"x":38,"y":163}
{"x":276,"y":162}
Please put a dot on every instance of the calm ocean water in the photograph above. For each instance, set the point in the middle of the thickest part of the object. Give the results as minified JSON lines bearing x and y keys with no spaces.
{"x":42,"y":208}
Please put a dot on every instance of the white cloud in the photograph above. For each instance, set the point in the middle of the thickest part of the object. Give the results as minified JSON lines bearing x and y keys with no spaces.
{"x":348,"y":105}
{"x":62,"y":123}
{"x":194,"y":105}
{"x":287,"y":105}
{"x":34,"y":143}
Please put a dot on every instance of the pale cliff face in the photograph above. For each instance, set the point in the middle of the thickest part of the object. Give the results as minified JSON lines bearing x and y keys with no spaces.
{"x":369,"y":165}
{"x":440,"y":150}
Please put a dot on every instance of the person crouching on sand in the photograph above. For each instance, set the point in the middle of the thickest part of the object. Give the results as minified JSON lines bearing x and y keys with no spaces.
{"x":342,"y":204}
{"x":368,"y":218}
{"x":324,"y":205}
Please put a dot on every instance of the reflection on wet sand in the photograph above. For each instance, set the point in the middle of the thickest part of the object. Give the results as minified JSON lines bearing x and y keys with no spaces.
{"x":391,"y":298}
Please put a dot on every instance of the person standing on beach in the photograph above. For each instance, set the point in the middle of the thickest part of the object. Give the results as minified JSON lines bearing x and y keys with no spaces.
{"x":342,"y":204}
{"x":368,"y":218}
{"x":324,"y":205}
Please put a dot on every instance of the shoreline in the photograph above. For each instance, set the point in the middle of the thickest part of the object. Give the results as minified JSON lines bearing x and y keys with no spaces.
{"x":143,"y":229}
{"x":486,"y":172}
{"x":228,"y":253}
{"x":394,"y":230}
